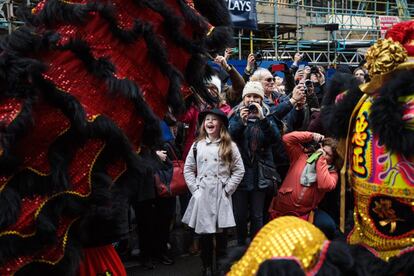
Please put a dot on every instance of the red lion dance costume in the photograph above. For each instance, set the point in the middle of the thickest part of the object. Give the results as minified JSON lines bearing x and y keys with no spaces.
{"x":82,"y":85}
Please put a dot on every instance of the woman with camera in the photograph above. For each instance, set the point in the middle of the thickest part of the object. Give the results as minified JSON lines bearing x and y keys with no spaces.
{"x":310,"y":176}
{"x":254,"y":131}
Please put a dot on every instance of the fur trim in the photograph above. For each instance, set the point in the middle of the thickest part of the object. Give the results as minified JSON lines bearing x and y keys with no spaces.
{"x":194,"y":19}
{"x":67,"y":103}
{"x":339,"y":83}
{"x":196,"y":73}
{"x":27,"y":40}
{"x":46,"y":226}
{"x":386,"y":113}
{"x":366,"y":263}
{"x":403,"y":33}
{"x":338,"y":260}
{"x":9,"y":207}
{"x":173,"y":24}
{"x":21,"y":77}
{"x":55,"y":12}
{"x":335,"y":116}
{"x":103,"y":69}
{"x":284,"y":267}
{"x":219,"y":39}
{"x":402,"y":265}
{"x":103,"y":128}
{"x":215,"y":11}
{"x":67,"y":266}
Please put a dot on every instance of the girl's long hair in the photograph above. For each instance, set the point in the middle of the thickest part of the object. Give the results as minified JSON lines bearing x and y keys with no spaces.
{"x":225,"y":148}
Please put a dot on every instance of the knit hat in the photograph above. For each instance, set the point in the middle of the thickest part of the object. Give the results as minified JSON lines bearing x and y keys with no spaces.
{"x":253,"y":87}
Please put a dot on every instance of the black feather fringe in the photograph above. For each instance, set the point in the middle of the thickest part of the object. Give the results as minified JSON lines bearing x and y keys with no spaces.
{"x":197,"y":21}
{"x":56,"y":12}
{"x":26,"y":40}
{"x":172,"y":23}
{"x":219,"y":39}
{"x":67,"y":266}
{"x":105,"y":70}
{"x":196,"y":72}
{"x":12,"y":246}
{"x":215,"y":11}
{"x":387,"y":112}
{"x":336,"y":116}
{"x":9,"y":207}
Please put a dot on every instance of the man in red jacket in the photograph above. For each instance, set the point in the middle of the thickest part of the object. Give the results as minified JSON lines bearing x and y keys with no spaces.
{"x":310,"y":176}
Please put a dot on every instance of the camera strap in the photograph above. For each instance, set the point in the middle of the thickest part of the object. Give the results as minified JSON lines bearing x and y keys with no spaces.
{"x":313,"y":157}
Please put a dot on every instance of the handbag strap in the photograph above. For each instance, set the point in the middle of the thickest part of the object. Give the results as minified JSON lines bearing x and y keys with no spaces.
{"x":175,"y":156}
{"x":172,"y":151}
{"x":195,"y":151}
{"x":195,"y":154}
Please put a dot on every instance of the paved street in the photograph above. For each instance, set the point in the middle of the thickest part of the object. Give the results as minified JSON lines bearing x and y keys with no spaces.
{"x":184,"y":266}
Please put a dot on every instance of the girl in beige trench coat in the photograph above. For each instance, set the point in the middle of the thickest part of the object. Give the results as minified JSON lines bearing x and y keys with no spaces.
{"x":212,"y":179}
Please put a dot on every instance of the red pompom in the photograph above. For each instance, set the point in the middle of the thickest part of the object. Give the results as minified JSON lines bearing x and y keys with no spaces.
{"x":403,"y":32}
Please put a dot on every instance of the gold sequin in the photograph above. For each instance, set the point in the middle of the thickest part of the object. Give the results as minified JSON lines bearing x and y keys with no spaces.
{"x":364,"y":231}
{"x":282,"y":237}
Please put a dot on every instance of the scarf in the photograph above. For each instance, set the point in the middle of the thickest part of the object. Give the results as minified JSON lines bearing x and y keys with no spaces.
{"x":308,"y":176}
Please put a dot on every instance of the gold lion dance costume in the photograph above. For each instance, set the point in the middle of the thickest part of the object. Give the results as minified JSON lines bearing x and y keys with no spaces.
{"x":82,"y":85}
{"x":379,"y":168}
{"x":381,"y":148}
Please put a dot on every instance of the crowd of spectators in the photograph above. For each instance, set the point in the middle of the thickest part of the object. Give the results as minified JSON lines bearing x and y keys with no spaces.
{"x":274,"y":119}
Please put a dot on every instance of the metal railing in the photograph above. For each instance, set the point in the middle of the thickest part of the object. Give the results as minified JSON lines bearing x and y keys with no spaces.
{"x":8,"y":20}
{"x":357,"y":22}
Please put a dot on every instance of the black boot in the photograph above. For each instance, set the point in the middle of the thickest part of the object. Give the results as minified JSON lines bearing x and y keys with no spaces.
{"x":206,"y":254}
{"x":221,"y":253}
{"x":207,"y":271}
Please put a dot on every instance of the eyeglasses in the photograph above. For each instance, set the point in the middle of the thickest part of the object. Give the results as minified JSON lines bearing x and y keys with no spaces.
{"x":270,"y":79}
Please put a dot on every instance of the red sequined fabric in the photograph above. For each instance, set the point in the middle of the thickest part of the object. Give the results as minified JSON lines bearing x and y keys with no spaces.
{"x":70,"y":75}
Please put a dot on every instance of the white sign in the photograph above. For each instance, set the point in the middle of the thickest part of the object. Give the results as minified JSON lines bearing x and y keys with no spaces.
{"x":386,"y":22}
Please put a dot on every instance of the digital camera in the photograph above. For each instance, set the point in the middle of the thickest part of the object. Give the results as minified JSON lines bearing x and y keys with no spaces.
{"x":252,"y":108}
{"x":258,"y":56}
{"x":307,"y":84}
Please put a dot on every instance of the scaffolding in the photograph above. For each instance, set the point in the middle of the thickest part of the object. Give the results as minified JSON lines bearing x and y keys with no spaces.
{"x":290,"y":26}
{"x":8,"y":20}
{"x":328,"y":32}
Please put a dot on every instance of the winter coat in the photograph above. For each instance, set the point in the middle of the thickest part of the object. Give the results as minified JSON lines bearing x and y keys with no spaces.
{"x":283,"y":111}
{"x":241,"y":134}
{"x":293,"y":198}
{"x":235,"y":91}
{"x":211,"y":184}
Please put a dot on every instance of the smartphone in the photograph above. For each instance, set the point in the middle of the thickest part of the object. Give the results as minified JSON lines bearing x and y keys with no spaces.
{"x":278,"y":67}
{"x":235,"y":50}
{"x":301,"y":67}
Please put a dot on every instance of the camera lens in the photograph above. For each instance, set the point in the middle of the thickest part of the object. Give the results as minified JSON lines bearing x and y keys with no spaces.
{"x":308,"y":83}
{"x":252,"y":108}
{"x":258,"y":57}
